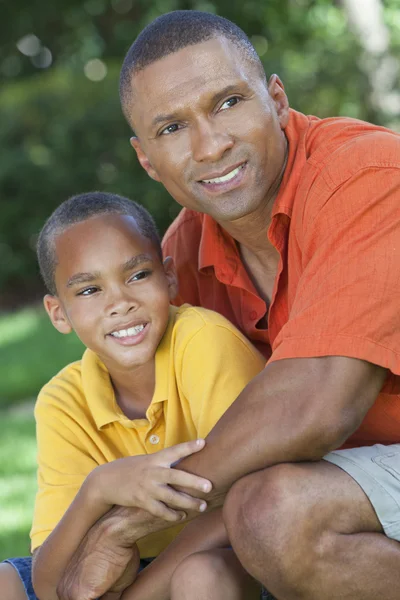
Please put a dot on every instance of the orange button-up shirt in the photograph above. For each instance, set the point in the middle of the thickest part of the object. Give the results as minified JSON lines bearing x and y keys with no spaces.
{"x":336,"y":225}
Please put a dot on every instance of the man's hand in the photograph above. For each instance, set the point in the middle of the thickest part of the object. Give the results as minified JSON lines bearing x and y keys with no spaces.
{"x":107,"y":560}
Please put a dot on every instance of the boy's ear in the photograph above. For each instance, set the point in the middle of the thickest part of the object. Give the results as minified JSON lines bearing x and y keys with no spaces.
{"x":142,"y":158}
{"x":56,"y":313}
{"x":169,"y":269}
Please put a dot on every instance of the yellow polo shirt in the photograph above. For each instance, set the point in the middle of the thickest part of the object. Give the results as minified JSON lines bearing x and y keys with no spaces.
{"x":202,"y":364}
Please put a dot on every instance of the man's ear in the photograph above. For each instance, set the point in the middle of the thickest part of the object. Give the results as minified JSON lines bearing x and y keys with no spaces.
{"x":170,"y":272}
{"x":278,"y":95}
{"x":56,"y":313}
{"x":142,"y":158}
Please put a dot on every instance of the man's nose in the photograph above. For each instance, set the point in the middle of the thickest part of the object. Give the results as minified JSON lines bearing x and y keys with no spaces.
{"x":209,"y":143}
{"x":120,"y":301}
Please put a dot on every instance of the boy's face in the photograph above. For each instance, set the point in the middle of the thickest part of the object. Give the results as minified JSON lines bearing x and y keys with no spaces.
{"x":113,"y":290}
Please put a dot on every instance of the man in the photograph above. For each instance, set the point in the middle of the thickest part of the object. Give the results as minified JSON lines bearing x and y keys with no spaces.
{"x":291,"y":229}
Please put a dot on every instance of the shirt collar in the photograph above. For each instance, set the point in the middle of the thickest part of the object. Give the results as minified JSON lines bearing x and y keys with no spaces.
{"x":98,"y":389}
{"x":216,"y":245}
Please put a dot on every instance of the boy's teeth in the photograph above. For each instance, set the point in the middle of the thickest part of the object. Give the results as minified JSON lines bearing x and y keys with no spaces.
{"x":224,"y":178}
{"x":128,"y":332}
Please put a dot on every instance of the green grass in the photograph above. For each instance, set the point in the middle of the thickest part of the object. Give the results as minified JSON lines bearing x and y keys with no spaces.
{"x":17,"y":481}
{"x":31,"y":352}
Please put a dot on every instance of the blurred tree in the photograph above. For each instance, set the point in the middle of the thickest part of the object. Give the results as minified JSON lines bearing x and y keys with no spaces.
{"x":61,"y":130}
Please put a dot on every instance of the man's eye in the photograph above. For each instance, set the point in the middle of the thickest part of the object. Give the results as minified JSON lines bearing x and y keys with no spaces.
{"x":88,"y":291}
{"x":140,"y":275}
{"x":230,"y":102}
{"x":170,"y":129}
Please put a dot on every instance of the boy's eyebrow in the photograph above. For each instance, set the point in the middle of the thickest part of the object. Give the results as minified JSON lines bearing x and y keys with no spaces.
{"x":130,"y":264}
{"x":136,"y":260}
{"x":159,"y":119}
{"x":82,"y":278}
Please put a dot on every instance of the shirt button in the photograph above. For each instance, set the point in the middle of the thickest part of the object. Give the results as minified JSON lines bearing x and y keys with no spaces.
{"x":154,"y":439}
{"x":253,"y":315}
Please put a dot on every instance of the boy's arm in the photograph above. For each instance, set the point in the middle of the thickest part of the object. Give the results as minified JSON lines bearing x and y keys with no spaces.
{"x":51,"y":559}
{"x":203,"y":533}
{"x":136,"y":481}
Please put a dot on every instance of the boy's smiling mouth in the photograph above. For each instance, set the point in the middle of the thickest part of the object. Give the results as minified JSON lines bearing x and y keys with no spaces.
{"x":131,"y":331}
{"x":130,"y":336}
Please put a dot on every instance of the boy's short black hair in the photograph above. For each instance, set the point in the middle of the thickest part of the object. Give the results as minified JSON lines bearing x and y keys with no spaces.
{"x":172,"y":32}
{"x":80,"y":208}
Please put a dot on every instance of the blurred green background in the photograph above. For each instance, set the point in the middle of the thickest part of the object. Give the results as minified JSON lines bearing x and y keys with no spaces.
{"x":62,"y":132}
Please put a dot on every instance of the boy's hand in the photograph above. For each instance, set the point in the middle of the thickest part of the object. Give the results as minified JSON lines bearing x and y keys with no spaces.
{"x":145,"y":482}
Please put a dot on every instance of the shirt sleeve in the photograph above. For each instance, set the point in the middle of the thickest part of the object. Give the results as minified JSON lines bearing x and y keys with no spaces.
{"x":181,"y":241}
{"x":217,"y":363}
{"x":64,"y":461}
{"x":348,"y":298}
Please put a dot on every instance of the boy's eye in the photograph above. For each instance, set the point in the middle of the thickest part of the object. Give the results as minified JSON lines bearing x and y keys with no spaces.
{"x":88,"y":291}
{"x":140,"y":275}
{"x":230,"y":102}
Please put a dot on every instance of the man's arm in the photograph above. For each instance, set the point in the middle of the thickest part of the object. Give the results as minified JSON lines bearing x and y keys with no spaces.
{"x":294,"y":410}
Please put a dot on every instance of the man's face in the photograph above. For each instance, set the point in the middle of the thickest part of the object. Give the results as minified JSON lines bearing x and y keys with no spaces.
{"x":113,"y":290}
{"x":210,"y":129}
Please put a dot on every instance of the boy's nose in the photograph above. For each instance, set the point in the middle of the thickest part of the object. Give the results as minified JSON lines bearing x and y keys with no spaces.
{"x":120,"y":303}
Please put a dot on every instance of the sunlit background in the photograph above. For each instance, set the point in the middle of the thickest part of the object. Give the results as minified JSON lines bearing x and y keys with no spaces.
{"x":61,"y":133}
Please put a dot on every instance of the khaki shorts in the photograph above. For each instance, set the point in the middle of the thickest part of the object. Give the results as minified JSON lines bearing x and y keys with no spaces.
{"x":376,"y":469}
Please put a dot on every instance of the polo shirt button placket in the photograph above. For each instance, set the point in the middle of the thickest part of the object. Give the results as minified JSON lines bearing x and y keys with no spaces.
{"x":253,"y":315}
{"x":154,"y":439}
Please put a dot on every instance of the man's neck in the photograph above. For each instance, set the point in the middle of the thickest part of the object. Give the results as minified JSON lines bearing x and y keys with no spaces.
{"x":260,"y":258}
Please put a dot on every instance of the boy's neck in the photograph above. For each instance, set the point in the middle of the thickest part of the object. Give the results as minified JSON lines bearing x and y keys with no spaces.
{"x":134,"y":391}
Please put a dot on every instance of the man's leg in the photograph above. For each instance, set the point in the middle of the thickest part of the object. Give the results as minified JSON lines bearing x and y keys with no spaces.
{"x":213,"y":575}
{"x":308,"y":531}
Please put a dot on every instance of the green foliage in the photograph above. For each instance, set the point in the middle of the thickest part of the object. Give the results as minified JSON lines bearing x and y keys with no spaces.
{"x":17,"y":481}
{"x":31,"y":352}
{"x":63,"y":133}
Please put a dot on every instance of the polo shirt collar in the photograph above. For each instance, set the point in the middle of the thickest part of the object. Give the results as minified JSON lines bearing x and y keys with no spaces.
{"x":99,"y":392}
{"x":217,"y":247}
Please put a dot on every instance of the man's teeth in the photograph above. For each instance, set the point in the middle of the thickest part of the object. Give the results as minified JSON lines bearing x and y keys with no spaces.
{"x":226,"y":177}
{"x":128,"y":332}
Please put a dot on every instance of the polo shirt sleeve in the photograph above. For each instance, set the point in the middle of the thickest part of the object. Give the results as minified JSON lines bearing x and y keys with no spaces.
{"x":347,"y":302}
{"x":216,"y":364}
{"x":64,"y":457}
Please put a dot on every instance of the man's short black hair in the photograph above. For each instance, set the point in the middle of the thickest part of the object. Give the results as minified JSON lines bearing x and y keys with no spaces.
{"x":80,"y":208}
{"x":172,"y":32}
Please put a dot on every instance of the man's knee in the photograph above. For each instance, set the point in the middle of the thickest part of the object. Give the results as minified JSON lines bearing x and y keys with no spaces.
{"x":263,"y":502}
{"x":266,"y":516}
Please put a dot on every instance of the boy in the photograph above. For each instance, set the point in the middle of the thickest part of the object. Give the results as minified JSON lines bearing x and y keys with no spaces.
{"x":153,"y":380}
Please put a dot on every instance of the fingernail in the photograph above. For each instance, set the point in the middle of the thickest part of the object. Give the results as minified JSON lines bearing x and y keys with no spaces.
{"x":202,"y":507}
{"x":199,"y":442}
{"x":207,"y":487}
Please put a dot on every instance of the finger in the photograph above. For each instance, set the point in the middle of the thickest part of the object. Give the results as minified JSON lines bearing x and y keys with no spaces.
{"x":175,"y":453}
{"x":160,"y":510}
{"x":179,"y":500}
{"x":188,"y":480}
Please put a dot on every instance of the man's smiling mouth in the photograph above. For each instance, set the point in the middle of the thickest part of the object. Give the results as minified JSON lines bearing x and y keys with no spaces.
{"x":226,"y":177}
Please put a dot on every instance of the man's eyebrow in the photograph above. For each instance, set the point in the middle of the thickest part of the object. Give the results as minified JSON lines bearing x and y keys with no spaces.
{"x":164,"y":118}
{"x":130,"y":264}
